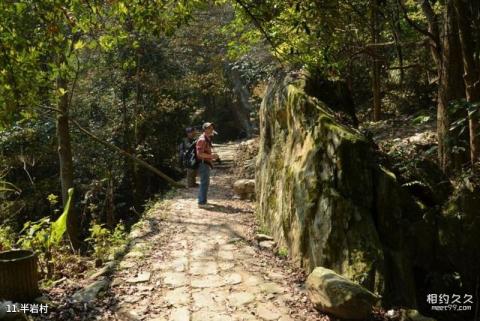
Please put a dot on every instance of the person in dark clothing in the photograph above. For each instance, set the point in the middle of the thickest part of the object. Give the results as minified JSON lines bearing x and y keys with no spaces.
{"x":187,"y":141}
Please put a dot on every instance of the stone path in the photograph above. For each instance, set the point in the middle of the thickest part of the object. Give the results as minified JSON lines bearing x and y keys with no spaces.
{"x":194,"y":264}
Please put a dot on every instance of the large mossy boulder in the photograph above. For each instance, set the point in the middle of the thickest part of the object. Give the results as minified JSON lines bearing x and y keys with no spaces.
{"x":334,"y":294}
{"x":322,"y":194}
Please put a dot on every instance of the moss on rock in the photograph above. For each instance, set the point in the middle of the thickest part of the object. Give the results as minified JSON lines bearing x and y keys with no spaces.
{"x":321,"y":193}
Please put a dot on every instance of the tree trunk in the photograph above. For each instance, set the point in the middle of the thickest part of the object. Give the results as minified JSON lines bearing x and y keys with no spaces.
{"x":471,"y":73}
{"x":138,"y":178}
{"x":451,"y":88}
{"x":377,"y":102}
{"x":447,"y":56}
{"x":66,"y":162}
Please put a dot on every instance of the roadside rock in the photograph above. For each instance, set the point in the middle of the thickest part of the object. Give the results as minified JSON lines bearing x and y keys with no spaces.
{"x":90,"y":292}
{"x":267,"y":245}
{"x":334,"y":294}
{"x":245,"y":188}
{"x":263,"y":237}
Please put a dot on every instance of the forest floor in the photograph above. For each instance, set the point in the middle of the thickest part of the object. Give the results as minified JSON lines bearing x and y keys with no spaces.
{"x":405,"y":136}
{"x":199,"y":265}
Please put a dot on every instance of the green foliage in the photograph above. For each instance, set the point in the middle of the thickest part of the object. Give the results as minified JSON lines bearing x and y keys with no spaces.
{"x":263,"y":229}
{"x":99,"y":239}
{"x":283,"y":252}
{"x":35,"y":235}
{"x":421,"y":119}
{"x":7,"y":238}
{"x":52,"y":199}
{"x":464,"y":108}
{"x":43,"y":234}
{"x":105,"y":242}
{"x":44,"y":237}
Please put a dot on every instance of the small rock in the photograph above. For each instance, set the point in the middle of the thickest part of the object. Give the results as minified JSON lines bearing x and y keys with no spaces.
{"x":263,"y":237}
{"x":126,"y":314}
{"x":135,"y":254}
{"x":90,"y":292}
{"x":391,"y":313}
{"x":412,"y":315}
{"x":233,"y":278}
{"x":271,"y":288}
{"x":267,"y":245}
{"x":127,"y":264}
{"x":245,"y":188}
{"x":240,"y":298}
{"x":332,"y":293}
{"x":142,"y":277}
{"x":116,"y":282}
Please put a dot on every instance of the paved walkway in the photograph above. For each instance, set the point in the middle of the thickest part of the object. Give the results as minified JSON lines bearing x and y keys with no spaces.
{"x":198,"y":265}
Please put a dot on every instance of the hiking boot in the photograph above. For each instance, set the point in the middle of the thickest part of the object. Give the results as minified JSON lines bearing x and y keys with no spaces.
{"x":204,"y":205}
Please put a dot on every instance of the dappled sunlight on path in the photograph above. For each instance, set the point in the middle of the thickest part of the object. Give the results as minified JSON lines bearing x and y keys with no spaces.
{"x":202,"y":265}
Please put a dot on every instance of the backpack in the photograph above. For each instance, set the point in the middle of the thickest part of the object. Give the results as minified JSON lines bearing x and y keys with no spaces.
{"x":189,"y":157}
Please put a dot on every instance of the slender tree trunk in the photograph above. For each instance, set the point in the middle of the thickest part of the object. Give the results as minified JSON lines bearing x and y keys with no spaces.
{"x":376,"y":67}
{"x":445,"y":48}
{"x":66,"y":162}
{"x":138,"y":178}
{"x":451,"y":87}
{"x":471,"y":73}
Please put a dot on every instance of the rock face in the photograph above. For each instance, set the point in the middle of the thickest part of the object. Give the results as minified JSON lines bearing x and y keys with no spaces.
{"x":334,"y":294}
{"x":459,"y":233}
{"x":321,"y":193}
{"x":245,"y":188}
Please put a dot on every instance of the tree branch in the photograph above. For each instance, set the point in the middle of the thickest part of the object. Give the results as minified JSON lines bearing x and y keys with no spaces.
{"x":118,"y":149}
{"x":433,"y":37}
{"x":258,"y":25}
